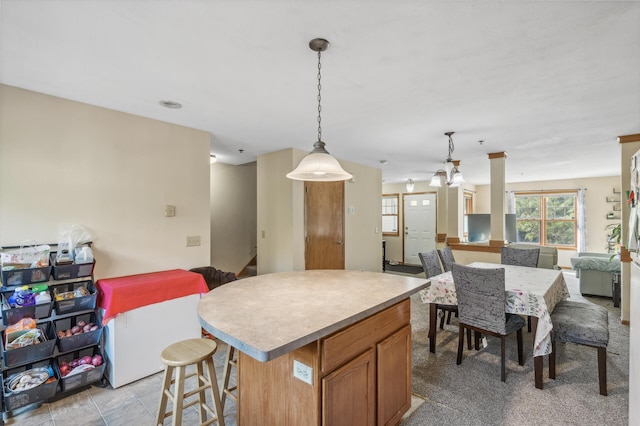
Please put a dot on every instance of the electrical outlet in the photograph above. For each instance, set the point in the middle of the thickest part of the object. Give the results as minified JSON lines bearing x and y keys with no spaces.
{"x":193,"y":240}
{"x":302,"y":372}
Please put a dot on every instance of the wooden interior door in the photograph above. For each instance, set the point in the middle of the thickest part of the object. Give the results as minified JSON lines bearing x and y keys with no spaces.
{"x":324,"y":225}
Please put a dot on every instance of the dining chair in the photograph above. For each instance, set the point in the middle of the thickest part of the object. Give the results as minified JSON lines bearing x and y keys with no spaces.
{"x":520,"y":257}
{"x":446,"y":257}
{"x":431,"y":266}
{"x":584,"y":323}
{"x":481,"y":308}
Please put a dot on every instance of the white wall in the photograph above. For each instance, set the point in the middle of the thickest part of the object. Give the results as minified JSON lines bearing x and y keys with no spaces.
{"x":281,"y":215}
{"x":233,"y":215}
{"x":64,"y":162}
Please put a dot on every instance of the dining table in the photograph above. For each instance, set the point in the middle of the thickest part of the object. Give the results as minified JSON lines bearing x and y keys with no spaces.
{"x":532,"y":292}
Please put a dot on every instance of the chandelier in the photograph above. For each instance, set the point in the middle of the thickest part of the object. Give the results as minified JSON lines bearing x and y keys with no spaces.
{"x":319,"y":165}
{"x":410,"y":185}
{"x":451,"y":175}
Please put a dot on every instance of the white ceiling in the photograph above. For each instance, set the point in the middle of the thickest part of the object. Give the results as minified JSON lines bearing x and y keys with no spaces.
{"x":552,"y":83}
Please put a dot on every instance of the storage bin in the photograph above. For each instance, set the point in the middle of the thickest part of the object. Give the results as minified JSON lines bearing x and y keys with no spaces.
{"x":73,"y":304}
{"x":28,"y":354}
{"x":71,"y":343}
{"x":13,"y":315}
{"x":84,"y":378}
{"x":73,"y":270}
{"x":15,"y":277}
{"x":41,"y":393}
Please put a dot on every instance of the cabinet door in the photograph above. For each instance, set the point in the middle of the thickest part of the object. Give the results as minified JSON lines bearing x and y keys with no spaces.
{"x":394,"y":376}
{"x":348,"y":394}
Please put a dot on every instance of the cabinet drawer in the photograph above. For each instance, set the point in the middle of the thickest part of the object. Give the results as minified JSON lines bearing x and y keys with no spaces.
{"x":350,"y":342}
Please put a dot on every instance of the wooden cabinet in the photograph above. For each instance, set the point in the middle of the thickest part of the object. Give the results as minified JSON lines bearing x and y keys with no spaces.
{"x":361,"y":375}
{"x":349,"y":393}
{"x":394,"y":376}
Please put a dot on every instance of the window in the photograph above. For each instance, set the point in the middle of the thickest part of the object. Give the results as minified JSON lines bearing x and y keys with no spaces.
{"x":547,"y":218}
{"x":467,"y":210}
{"x":390,"y":214}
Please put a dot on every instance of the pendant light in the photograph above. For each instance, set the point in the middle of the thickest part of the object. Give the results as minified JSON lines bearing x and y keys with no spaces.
{"x":319,"y":165}
{"x":410,"y":185}
{"x":451,"y":174}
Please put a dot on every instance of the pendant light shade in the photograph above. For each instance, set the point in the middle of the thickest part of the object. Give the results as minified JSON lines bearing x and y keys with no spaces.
{"x":410,"y":185}
{"x":319,"y":165}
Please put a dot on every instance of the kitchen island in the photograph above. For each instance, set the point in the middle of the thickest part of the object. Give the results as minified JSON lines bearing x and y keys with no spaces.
{"x":317,"y":347}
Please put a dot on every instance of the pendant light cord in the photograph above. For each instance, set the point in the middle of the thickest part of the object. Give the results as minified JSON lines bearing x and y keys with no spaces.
{"x":319,"y":98}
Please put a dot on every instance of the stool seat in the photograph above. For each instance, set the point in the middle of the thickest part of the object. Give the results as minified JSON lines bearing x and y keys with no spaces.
{"x":187,"y":352}
{"x":177,"y":357}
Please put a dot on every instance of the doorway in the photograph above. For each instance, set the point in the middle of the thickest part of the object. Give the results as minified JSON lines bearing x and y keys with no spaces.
{"x":419,"y":225}
{"x":324,"y":225}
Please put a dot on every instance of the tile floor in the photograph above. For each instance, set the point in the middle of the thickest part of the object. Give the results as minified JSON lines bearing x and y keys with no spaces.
{"x":134,"y":404}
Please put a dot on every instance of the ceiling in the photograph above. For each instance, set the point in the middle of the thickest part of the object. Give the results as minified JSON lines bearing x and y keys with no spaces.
{"x":552,"y":83}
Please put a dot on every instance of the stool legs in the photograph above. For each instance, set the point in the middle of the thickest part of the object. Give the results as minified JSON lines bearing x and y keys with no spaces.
{"x":203,"y":382}
{"x":226,"y":390}
{"x":215,"y":394}
{"x":166,"y":393}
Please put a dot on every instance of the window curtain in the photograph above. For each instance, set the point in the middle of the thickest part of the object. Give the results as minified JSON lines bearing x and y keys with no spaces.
{"x":581,"y":220}
{"x":511,"y":200}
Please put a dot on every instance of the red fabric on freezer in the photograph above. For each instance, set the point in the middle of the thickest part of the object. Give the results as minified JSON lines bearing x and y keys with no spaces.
{"x":122,"y":294}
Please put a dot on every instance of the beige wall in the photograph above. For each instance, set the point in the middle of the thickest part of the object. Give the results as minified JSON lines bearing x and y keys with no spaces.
{"x":394,"y":244}
{"x":233,"y":216}
{"x":64,"y":162}
{"x":597,"y":207}
{"x":281,"y":215}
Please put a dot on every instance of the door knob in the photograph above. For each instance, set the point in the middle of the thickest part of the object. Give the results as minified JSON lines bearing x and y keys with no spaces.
{"x":340,"y":242}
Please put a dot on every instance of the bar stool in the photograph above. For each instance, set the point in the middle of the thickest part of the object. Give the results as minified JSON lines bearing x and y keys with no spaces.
{"x":229,"y":363}
{"x":177,"y":357}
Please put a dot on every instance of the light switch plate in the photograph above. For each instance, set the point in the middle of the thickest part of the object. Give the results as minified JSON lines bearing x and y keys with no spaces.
{"x":169,"y":210}
{"x":193,"y":240}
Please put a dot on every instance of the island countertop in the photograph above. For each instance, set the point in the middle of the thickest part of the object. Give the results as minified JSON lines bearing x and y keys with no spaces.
{"x":269,"y":315}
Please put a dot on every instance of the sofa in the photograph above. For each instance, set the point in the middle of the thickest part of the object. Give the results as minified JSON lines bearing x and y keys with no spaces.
{"x":596,"y":272}
{"x":548,"y":258}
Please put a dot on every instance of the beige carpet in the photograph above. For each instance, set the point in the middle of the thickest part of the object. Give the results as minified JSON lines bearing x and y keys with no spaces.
{"x":472,"y":393}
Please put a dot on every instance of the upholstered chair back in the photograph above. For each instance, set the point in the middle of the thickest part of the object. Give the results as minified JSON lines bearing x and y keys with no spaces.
{"x":430,"y":263}
{"x":446,"y":257}
{"x":519,"y":257}
{"x":481,"y":297}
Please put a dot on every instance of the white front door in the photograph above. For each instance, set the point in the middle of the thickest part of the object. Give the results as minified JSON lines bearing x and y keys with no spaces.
{"x":419,"y":225}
